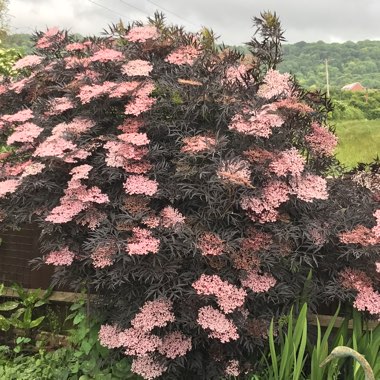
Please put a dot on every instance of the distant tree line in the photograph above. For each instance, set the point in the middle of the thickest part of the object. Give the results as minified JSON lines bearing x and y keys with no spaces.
{"x":348,"y":62}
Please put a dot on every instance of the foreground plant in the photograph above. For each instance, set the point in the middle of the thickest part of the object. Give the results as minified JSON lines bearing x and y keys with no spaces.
{"x":185,"y":186}
{"x":344,"y":352}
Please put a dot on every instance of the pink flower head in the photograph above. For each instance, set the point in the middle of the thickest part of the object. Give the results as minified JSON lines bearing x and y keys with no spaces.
{"x":138,"y":342}
{"x":51,"y":36}
{"x":27,"y":61}
{"x":76,"y":46}
{"x":210,"y":244}
{"x":106,"y":55}
{"x":170,"y":217}
{"x":174,"y":344}
{"x":376,"y":229}
{"x":220,"y":327}
{"x":54,"y":147}
{"x":184,"y":55}
{"x":293,"y":104}
{"x":258,"y":283}
{"x":309,"y":187}
{"x":33,"y":169}
{"x":232,"y":368}
{"x":321,"y":141}
{"x":367,"y":298}
{"x":235,"y":172}
{"x":20,"y":116}
{"x":229,"y":297}
{"x":109,"y":336}
{"x":198,"y":144}
{"x":377,"y":267}
{"x":24,"y":133}
{"x":142,"y":34}
{"x":258,"y":124}
{"x":62,"y":257}
{"x":59,"y":105}
{"x":157,"y":313}
{"x":288,"y":162}
{"x":137,"y":67}
{"x":359,"y":235}
{"x":138,"y":184}
{"x":142,"y":242}
{"x":275,"y":84}
{"x":80,"y":172}
{"x":134,"y":138}
{"x":235,"y":74}
{"x":148,"y":367}
{"x":8,"y":186}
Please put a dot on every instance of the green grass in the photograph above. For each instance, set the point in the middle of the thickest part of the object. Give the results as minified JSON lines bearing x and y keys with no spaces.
{"x":359,"y":141}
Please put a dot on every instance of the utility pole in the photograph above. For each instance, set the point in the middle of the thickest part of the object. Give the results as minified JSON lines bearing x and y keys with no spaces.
{"x":327,"y":78}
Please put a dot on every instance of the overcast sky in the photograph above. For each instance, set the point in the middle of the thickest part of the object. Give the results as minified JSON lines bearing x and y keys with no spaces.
{"x":303,"y":20}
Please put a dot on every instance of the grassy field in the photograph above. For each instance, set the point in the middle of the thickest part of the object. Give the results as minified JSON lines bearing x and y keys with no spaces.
{"x":359,"y":141}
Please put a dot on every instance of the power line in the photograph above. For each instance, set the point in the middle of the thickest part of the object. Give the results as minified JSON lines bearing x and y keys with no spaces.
{"x":167,"y":10}
{"x":108,"y":9}
{"x":132,"y":6}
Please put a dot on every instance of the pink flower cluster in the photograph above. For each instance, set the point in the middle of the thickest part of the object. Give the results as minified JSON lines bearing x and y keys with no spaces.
{"x":309,"y":187}
{"x":142,"y":101}
{"x":20,"y":116}
{"x":288,"y":162}
{"x":138,"y":342}
{"x":170,"y":217}
{"x":137,"y":67}
{"x":62,"y":257}
{"x":24,"y":133}
{"x":275,"y":84}
{"x":142,"y":34}
{"x":235,"y":74}
{"x":51,"y":36}
{"x":33,"y":169}
{"x":198,"y":144}
{"x":157,"y":313}
{"x":76,"y":46}
{"x":113,"y":89}
{"x":148,"y":367}
{"x":91,"y":218}
{"x":229,"y":297}
{"x":102,"y":256}
{"x":359,"y":235}
{"x":138,"y":184}
{"x":175,"y":344}
{"x":264,"y":208}
{"x":321,"y":141}
{"x":142,"y":242}
{"x":232,"y":368}
{"x":59,"y":105}
{"x":258,"y":283}
{"x":107,"y":55}
{"x":367,"y":298}
{"x":210,"y":244}
{"x":109,"y":336}
{"x":235,"y":172}
{"x":258,"y":124}
{"x":8,"y":186}
{"x":141,"y":342}
{"x":77,"y":197}
{"x":184,"y":55}
{"x":58,"y":146}
{"x":220,"y":327}
{"x":293,"y":104}
{"x":27,"y":61}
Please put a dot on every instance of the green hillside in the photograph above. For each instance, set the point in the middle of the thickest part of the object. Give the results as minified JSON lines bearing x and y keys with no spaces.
{"x":348,"y":62}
